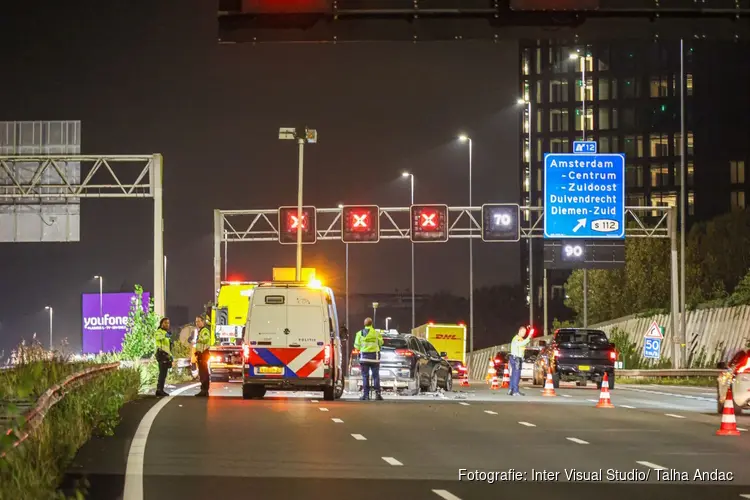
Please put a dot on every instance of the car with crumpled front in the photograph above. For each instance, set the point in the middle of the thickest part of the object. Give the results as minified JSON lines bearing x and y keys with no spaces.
{"x":735,"y":374}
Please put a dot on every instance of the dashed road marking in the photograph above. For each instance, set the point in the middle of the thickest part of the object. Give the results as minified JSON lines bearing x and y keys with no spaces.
{"x":741,"y":429}
{"x":359,"y":437}
{"x":661,"y":393}
{"x":576,"y":440}
{"x":627,"y":406}
{"x":313,"y":400}
{"x":337,"y":420}
{"x":323,"y":409}
{"x":652,"y":465}
{"x":673,"y":415}
{"x":566,"y":395}
{"x":447,"y":495}
{"x":527,"y":424}
{"x":391,"y":461}
{"x":490,"y":412}
{"x":464,"y":404}
{"x":593,"y":400}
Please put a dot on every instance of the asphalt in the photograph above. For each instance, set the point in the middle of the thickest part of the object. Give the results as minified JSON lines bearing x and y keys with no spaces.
{"x":295,"y":445}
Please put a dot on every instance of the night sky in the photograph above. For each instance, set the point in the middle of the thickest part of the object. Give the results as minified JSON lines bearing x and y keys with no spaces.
{"x":148,"y":76}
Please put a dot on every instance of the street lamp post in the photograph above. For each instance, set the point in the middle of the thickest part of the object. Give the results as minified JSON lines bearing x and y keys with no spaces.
{"x":374,"y":312}
{"x":413,"y":301}
{"x":527,"y":102}
{"x":49,"y":308}
{"x":346,"y":279}
{"x":576,"y":56}
{"x":465,"y":138}
{"x":302,"y":135}
{"x":387,"y":323}
{"x":101,"y":310}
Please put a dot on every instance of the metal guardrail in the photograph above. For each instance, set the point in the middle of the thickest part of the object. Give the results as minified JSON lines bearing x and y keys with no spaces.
{"x":50,"y":398}
{"x":670,"y":372}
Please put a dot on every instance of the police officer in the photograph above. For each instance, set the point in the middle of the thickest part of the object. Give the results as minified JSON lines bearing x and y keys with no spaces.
{"x":202,"y":344}
{"x":517,"y":348}
{"x":163,"y":354}
{"x":368,"y":342}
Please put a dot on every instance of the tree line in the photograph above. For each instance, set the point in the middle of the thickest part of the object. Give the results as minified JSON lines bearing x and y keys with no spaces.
{"x":717,"y":259}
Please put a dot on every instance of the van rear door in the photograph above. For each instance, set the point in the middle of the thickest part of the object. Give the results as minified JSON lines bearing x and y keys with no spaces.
{"x":267,"y":318}
{"x":306,"y":318}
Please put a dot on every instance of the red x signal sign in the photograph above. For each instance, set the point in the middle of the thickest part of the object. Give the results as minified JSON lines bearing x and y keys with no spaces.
{"x":429,"y":223}
{"x":290,"y":222}
{"x":360,"y":224}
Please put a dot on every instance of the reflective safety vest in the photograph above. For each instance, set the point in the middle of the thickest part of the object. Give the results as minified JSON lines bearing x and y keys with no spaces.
{"x":161,"y":339}
{"x":203,"y":341}
{"x":368,"y":340}
{"x":518,"y":345}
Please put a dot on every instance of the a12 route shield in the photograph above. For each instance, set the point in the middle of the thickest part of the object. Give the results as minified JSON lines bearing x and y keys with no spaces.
{"x":289,"y":222}
{"x":429,"y":223}
{"x":584,"y":196}
{"x":500,"y":222}
{"x":360,"y":224}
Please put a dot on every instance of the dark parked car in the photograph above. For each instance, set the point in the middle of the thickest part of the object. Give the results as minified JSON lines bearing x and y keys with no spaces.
{"x":577,"y":354}
{"x":408,"y":365}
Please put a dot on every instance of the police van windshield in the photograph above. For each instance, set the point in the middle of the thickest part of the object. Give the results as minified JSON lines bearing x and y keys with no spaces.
{"x":394,"y":343}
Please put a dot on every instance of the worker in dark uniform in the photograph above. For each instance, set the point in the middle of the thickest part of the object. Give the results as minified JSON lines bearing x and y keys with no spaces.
{"x":163,"y":355}
{"x":202,"y":345}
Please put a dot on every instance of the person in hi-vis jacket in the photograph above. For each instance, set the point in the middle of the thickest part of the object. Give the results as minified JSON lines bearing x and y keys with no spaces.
{"x":368,"y":343}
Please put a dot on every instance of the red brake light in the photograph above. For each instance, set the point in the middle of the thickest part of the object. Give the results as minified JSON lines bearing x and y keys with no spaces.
{"x":745,"y":367}
{"x":327,"y":354}
{"x":246,"y":351}
{"x":612,"y":355}
{"x":404,"y":352}
{"x":557,"y":353}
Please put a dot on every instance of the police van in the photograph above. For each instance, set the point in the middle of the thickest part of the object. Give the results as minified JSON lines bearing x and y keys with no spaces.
{"x":292,"y":341}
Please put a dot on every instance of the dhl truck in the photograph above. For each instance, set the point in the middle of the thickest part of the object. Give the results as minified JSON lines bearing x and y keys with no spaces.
{"x":227,"y":326}
{"x":448,"y":338}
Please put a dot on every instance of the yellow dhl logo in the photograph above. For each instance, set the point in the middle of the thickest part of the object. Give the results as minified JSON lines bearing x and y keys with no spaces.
{"x":446,"y":336}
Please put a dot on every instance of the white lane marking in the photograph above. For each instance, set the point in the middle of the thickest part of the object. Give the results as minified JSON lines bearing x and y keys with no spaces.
{"x":576,"y":440}
{"x":746,"y":495}
{"x":464,"y":404}
{"x":593,"y":400}
{"x":359,"y":437}
{"x":447,"y":495}
{"x":391,"y":461}
{"x":134,"y":468}
{"x":338,"y":420}
{"x":661,"y":393}
{"x":323,"y":409}
{"x":741,"y":429}
{"x":313,"y":400}
{"x":673,"y":415}
{"x":566,"y":395}
{"x":490,"y":412}
{"x":652,"y":465}
{"x":627,"y":406}
{"x":527,"y":424}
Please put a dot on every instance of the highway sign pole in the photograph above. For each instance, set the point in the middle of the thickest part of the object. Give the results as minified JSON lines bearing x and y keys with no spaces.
{"x":674,"y":288}
{"x":583,"y":129}
{"x":348,"y":326}
{"x":301,"y":142}
{"x":683,"y":204}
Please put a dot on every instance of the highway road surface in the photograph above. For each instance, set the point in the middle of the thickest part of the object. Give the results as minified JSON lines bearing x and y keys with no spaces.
{"x":295,"y":445}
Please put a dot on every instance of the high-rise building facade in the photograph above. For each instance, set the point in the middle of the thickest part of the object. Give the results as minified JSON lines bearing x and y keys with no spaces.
{"x":625,"y":94}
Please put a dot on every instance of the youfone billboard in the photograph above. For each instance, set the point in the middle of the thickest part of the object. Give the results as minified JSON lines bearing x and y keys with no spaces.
{"x":104,"y":322}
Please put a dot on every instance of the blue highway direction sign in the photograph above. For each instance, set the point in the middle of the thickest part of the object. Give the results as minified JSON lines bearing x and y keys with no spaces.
{"x":584,"y":196}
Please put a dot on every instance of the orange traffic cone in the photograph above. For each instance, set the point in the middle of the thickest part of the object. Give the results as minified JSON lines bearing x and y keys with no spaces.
{"x":464,"y":382}
{"x":728,"y":422}
{"x":490,"y":372}
{"x":604,"y":401}
{"x":506,"y":378}
{"x":495,"y":386}
{"x":549,"y":387}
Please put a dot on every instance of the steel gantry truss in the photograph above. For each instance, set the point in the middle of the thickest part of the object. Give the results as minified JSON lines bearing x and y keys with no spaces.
{"x":231,"y":226}
{"x":26,"y":180}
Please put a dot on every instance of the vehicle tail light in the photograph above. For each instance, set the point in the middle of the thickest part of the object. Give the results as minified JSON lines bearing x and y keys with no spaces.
{"x":246,"y":351}
{"x":612,"y":355}
{"x":557,"y":353}
{"x":462,"y":368}
{"x":745,"y":368}
{"x":327,"y":354}
{"x":404,"y":352}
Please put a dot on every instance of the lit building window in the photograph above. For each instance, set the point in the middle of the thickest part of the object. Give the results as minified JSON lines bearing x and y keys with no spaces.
{"x":589,"y":119}
{"x":558,"y":91}
{"x":558,"y":120}
{"x":559,"y":145}
{"x":690,"y":173}
{"x":678,"y":144}
{"x":659,"y":175}
{"x":589,"y":90}
{"x":659,"y":87}
{"x":633,"y":146}
{"x":635,"y":200}
{"x":659,"y":145}
{"x":688,"y":84}
{"x":737,"y":200}
{"x":737,"y":172}
{"x":662,"y":199}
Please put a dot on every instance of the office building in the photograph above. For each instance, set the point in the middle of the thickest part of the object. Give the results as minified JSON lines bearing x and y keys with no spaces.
{"x":630,"y":103}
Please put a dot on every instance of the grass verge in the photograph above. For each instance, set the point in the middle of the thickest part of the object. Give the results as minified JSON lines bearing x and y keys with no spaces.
{"x":677,"y":381}
{"x":35,"y":468}
{"x":30,"y":380}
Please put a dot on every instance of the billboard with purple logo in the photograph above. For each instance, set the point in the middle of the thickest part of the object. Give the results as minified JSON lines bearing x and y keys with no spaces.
{"x":104,"y":320}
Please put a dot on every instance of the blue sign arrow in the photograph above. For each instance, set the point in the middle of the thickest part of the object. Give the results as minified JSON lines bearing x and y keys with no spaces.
{"x":584,"y":196}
